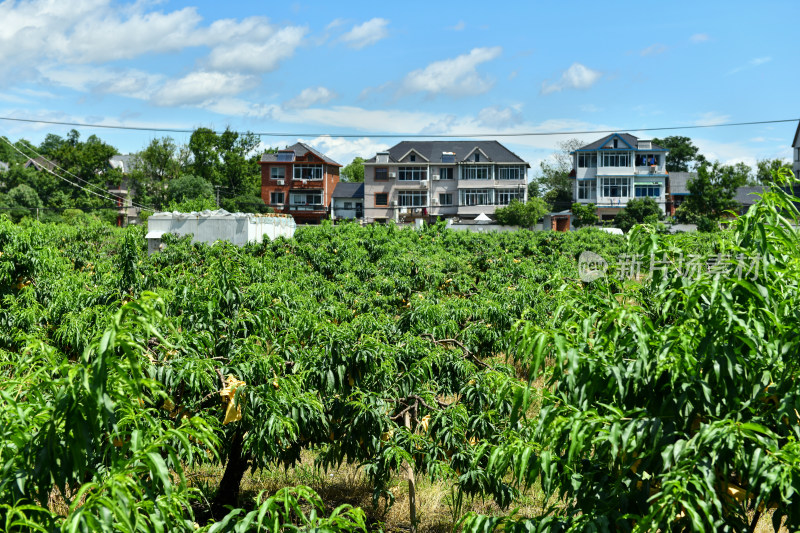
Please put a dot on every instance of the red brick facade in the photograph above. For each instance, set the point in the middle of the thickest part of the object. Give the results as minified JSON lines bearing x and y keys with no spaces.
{"x":308,"y":184}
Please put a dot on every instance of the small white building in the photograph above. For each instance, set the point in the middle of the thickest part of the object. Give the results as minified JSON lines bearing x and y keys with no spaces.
{"x":212,"y":226}
{"x":348,"y":201}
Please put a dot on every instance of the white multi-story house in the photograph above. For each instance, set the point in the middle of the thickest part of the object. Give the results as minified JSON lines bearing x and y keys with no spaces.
{"x":430,"y":179}
{"x":618,"y":168}
{"x":796,"y":152}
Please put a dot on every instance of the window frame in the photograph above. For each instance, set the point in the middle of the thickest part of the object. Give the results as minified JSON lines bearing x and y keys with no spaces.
{"x":448,"y":195}
{"x":416,"y":173}
{"x":385,"y":196}
{"x":272,"y":170}
{"x":470,"y":172}
{"x":587,"y":190}
{"x":608,"y":185}
{"x":275,"y":194}
{"x":417,"y":198}
{"x":297,"y":173}
{"x":384,"y":171}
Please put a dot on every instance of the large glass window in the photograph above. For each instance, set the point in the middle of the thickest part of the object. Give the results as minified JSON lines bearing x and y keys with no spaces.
{"x":511,"y":173}
{"x":277,"y":173}
{"x":381,"y":173}
{"x":644,"y":191}
{"x":587,"y":160}
{"x":476,"y":172}
{"x":616,"y":159}
{"x":476,"y":197}
{"x":445,"y":198}
{"x":308,"y":172}
{"x":446,"y":173}
{"x":411,"y":173}
{"x":381,"y":199}
{"x":504,"y":196}
{"x":587,"y":190}
{"x":306,"y":198}
{"x":644,"y":160}
{"x":276,"y":198}
{"x":616,"y":187}
{"x":412,"y":198}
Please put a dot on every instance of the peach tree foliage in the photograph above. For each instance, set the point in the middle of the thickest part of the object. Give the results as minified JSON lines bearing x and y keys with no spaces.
{"x":671,"y":403}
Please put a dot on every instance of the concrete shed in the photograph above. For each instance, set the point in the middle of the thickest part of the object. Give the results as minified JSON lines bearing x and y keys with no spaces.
{"x":220,"y":225}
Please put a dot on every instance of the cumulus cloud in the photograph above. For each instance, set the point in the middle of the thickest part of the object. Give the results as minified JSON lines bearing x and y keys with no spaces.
{"x":344,"y":150}
{"x":576,"y":76}
{"x":497,"y":117}
{"x":370,"y":32}
{"x":712,"y":119}
{"x":456,"y":77}
{"x":201,"y":87}
{"x":132,"y":83}
{"x":258,"y":56}
{"x":309,"y":97}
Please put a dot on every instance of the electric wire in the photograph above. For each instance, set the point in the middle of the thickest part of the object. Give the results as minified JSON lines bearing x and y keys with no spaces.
{"x":112,"y":198}
{"x":405,"y":135}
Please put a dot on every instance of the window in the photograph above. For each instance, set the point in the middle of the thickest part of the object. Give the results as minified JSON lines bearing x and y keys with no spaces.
{"x":615,"y":143}
{"x":308,"y":172}
{"x":382,"y":157}
{"x":511,"y":173}
{"x":412,"y":158}
{"x":412,"y":198}
{"x":277,"y":173}
{"x":306,"y":198}
{"x":616,"y":187}
{"x":445,"y":199}
{"x":448,"y":157}
{"x":797,"y":154}
{"x":586,"y":160}
{"x":587,"y":190}
{"x":276,"y":198}
{"x":411,"y":174}
{"x":381,"y":173}
{"x":616,"y":159}
{"x":476,"y":197}
{"x":504,"y":196}
{"x":643,"y":160}
{"x":446,"y":173}
{"x":348,"y":205}
{"x":644,"y":191}
{"x":476,"y":173}
{"x":477,"y":157}
{"x":286,"y":156}
{"x":381,"y":199}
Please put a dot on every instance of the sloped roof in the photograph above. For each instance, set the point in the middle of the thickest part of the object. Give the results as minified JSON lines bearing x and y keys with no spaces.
{"x":299,"y":149}
{"x":432,"y":151}
{"x":348,"y":190}
{"x":126,"y":162}
{"x":627,"y":137}
{"x":40,"y":163}
{"x":796,"y":142}
{"x":749,"y":195}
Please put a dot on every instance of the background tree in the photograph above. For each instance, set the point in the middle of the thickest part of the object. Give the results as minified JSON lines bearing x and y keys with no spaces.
{"x":712,"y":192}
{"x":638,"y":211}
{"x":584,"y":215}
{"x":354,"y":172}
{"x":524,"y":215}
{"x":765,"y":168}
{"x":189,"y":187}
{"x":553,"y":183}
{"x":683,"y":155}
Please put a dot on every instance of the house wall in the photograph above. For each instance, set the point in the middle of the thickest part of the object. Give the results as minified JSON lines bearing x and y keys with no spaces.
{"x":330,"y":177}
{"x":339,"y":211}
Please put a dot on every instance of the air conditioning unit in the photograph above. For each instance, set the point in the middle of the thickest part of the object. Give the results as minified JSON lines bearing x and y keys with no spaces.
{"x":393,"y":203}
{"x":280,"y":182}
{"x":434,"y":201}
{"x":392,"y":175}
{"x":304,"y":182}
{"x":435,"y":176}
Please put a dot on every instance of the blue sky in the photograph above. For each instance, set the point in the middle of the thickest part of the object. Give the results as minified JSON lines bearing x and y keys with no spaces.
{"x":324,"y":69}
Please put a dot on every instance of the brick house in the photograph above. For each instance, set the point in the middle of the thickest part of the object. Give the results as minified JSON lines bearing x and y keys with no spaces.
{"x":299,"y":181}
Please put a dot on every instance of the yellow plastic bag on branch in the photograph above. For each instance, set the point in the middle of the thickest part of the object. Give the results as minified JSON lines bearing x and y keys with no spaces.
{"x":233,"y":410}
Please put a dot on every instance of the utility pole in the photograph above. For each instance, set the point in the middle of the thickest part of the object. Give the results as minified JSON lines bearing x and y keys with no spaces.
{"x":217,"y":187}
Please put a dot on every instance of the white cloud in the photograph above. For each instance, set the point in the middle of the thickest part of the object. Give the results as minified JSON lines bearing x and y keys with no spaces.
{"x":576,"y":76}
{"x":370,"y":32}
{"x":84,"y":78}
{"x":653,"y":49}
{"x":497,"y":117}
{"x":455,"y":77}
{"x":201,"y":87}
{"x":712,"y":119}
{"x":343,"y":150}
{"x":751,"y":64}
{"x":459,"y":26}
{"x":311,"y":96}
{"x":258,"y":56}
{"x":699,"y":38}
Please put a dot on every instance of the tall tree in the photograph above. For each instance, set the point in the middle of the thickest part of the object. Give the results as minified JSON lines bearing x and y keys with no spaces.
{"x":712,"y":192}
{"x":553,"y":182}
{"x":638,"y":211}
{"x":225,"y":159}
{"x":765,"y":168}
{"x":683,"y":155}
{"x":354,"y":172}
{"x":524,"y":215}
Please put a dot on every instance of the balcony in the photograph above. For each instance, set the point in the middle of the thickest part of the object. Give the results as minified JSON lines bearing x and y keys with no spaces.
{"x":307,"y":207}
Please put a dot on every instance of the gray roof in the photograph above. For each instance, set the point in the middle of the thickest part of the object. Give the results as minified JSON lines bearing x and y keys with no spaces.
{"x":40,"y":163}
{"x":746,"y":196}
{"x":299,"y":149}
{"x":432,"y":151}
{"x":626,"y":137}
{"x":348,"y":190}
{"x":678,"y":182}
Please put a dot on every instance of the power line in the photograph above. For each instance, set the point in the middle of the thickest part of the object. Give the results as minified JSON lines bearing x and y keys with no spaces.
{"x":103,"y":196}
{"x":406,"y":135}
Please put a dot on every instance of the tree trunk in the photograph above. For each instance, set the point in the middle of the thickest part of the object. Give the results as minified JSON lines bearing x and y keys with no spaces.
{"x":412,"y":486}
{"x":228,"y":491}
